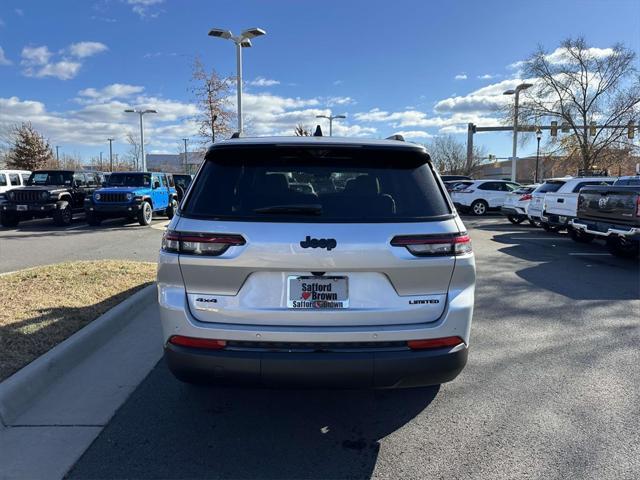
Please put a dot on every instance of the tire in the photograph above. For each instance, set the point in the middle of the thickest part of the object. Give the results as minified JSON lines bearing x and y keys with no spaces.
{"x":93,"y":219}
{"x":9,"y":219}
{"x":623,"y":249}
{"x":580,"y":237}
{"x":63,"y":215}
{"x":172,"y":208}
{"x":145,"y":215}
{"x":515,"y":220}
{"x":534,"y":223}
{"x":479,"y":208}
{"x":548,"y":228}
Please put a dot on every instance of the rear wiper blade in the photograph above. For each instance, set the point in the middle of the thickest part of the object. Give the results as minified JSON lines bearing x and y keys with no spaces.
{"x":304,"y":209}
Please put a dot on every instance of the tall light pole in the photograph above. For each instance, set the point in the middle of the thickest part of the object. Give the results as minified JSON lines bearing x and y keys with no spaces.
{"x":516,"y":92}
{"x":331,"y":118}
{"x":58,"y":155}
{"x":538,"y":137}
{"x":242,"y":41}
{"x":110,"y":154}
{"x":185,"y":154}
{"x":141,"y":113}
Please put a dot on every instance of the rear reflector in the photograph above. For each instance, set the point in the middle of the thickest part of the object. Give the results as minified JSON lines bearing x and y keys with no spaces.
{"x":208,"y":244}
{"x":192,"y":342}
{"x":434,"y":245}
{"x":434,"y":343}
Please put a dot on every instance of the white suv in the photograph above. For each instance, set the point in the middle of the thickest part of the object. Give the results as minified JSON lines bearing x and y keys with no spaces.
{"x":483,"y":195}
{"x":367,"y":280}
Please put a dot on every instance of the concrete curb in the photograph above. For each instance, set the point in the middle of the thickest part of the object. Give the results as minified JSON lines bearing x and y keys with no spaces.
{"x":20,"y":390}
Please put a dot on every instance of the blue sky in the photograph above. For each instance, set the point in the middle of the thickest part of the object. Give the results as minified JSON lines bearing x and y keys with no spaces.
{"x":422,"y":67}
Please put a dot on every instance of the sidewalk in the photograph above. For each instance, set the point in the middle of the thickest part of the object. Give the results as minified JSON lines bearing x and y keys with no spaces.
{"x":47,"y":439}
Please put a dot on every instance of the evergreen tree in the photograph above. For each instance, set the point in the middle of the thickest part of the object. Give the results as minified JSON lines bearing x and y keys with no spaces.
{"x":30,"y":151}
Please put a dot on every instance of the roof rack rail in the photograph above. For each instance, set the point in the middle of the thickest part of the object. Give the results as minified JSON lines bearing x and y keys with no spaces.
{"x":318,"y":132}
{"x":236,"y":135}
{"x":398,"y":137}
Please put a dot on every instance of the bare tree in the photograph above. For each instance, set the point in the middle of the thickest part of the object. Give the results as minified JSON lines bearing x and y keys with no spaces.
{"x":134,"y":150}
{"x":577,"y":85}
{"x":302,"y":131}
{"x":211,"y":92}
{"x":450,"y":156}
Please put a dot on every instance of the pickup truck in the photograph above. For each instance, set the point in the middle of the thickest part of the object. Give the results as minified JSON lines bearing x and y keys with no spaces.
{"x":560,"y":207}
{"x":133,"y":195}
{"x":612,"y":213}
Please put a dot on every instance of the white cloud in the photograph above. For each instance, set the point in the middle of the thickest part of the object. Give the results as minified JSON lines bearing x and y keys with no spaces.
{"x":338,"y":82}
{"x":86,"y":49}
{"x":144,"y":8}
{"x":32,"y":56}
{"x":460,"y":76}
{"x":63,"y":70}
{"x":414,"y":134}
{"x":487,"y":76}
{"x":19,"y":12}
{"x":485,"y":99}
{"x":115,"y":90}
{"x":263,"y":82}
{"x":333,"y":101}
{"x":4,"y":61}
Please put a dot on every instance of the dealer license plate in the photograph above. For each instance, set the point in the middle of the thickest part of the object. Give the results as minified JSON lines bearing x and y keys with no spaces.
{"x":22,"y":208}
{"x":311,"y":292}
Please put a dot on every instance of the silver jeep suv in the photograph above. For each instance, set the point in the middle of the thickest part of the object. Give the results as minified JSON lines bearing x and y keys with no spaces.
{"x":363,"y":278}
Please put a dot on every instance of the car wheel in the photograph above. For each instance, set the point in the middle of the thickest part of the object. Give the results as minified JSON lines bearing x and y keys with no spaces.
{"x":515,"y":220}
{"x":479,"y":208}
{"x":623,"y":248}
{"x":548,"y":228}
{"x":93,"y":219}
{"x":63,"y":215}
{"x":580,"y":237}
{"x":9,"y":219}
{"x":145,"y":214}
{"x":171,"y":209}
{"x":534,"y":223}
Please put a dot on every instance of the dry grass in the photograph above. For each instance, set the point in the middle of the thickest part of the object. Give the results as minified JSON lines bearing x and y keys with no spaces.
{"x":42,"y":306}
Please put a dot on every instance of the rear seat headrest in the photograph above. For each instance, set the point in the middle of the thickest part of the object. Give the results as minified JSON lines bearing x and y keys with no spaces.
{"x":363,"y":185}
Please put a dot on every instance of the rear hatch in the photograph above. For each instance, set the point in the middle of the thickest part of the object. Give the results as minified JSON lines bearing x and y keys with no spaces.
{"x":341,"y":255}
{"x":610,"y":203}
{"x":537,"y":197}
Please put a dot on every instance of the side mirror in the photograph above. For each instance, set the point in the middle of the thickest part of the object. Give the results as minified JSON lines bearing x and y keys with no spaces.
{"x":77,"y":183}
{"x":156,"y":185}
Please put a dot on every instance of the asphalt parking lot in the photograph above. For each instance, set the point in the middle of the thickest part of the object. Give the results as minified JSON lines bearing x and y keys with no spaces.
{"x":552,"y":390}
{"x":39,"y":242}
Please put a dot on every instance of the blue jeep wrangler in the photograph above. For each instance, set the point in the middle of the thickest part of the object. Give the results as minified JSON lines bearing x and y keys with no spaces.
{"x":136,"y":195}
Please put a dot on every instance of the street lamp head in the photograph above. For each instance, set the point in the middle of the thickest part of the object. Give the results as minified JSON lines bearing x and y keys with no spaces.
{"x":321,"y":116}
{"x":217,"y":32}
{"x":340,"y":116}
{"x":252,"y":33}
{"x":245,"y":43}
{"x":149,"y":111}
{"x":524,"y":86}
{"x":129,"y":110}
{"x":508,"y":92}
{"x":538,"y":134}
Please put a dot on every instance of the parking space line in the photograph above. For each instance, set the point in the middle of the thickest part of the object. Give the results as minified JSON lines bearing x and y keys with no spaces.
{"x":76,"y":227}
{"x":540,"y":238}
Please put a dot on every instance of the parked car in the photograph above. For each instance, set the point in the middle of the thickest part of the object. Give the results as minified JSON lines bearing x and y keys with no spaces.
{"x":536,"y":205}
{"x":135,"y":195}
{"x":627,"y":180}
{"x":371,"y":284}
{"x":483,"y":195}
{"x":58,"y":194}
{"x":611,"y":213}
{"x":448,"y":178}
{"x":12,"y":179}
{"x":516,"y":203}
{"x":182,"y":182}
{"x":452,"y":185}
{"x":560,"y":207}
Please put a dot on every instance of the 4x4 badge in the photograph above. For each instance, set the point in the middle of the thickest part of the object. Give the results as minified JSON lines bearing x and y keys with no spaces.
{"x":328,"y":243}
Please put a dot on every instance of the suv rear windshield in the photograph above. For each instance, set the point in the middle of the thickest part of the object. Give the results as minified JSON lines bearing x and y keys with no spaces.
{"x":550,"y":186}
{"x":316,"y":184}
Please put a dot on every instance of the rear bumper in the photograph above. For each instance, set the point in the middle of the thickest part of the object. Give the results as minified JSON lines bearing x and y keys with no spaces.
{"x":555,"y":220}
{"x":606,"y":229}
{"x":377,"y":369}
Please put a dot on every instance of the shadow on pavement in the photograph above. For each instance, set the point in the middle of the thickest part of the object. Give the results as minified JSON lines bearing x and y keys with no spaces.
{"x":576,"y":277}
{"x":172,"y":430}
{"x":37,"y":229}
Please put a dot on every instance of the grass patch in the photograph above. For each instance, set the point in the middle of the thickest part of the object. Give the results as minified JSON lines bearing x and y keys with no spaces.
{"x":40,"y":307}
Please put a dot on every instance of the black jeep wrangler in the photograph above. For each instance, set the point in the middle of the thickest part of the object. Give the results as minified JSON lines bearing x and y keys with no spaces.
{"x":57,"y":194}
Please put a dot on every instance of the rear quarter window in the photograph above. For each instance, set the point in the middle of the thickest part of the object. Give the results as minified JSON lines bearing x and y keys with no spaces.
{"x":347,"y":184}
{"x":547,"y":187}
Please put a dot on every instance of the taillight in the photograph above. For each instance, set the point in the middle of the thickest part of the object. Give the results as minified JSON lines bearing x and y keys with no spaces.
{"x":526,"y":196}
{"x":194,"y":342}
{"x":208,"y":244}
{"x":434,"y":245}
{"x":434,"y":343}
{"x":638,"y":206}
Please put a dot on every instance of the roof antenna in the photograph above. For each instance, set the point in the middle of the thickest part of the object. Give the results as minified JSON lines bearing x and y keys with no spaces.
{"x":318,"y":132}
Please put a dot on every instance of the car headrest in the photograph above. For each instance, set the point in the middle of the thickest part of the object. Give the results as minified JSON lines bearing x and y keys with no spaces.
{"x":363,"y":185}
{"x":273,"y":183}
